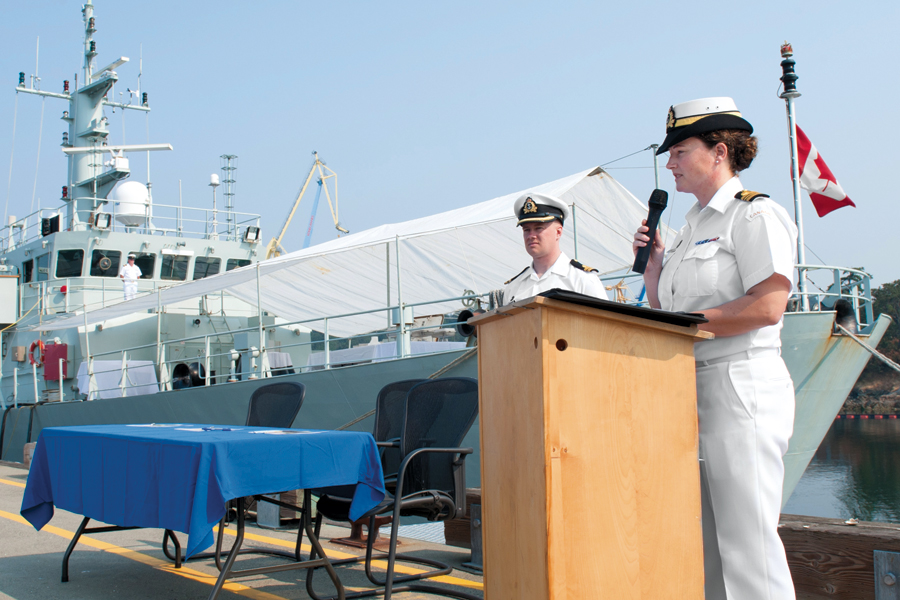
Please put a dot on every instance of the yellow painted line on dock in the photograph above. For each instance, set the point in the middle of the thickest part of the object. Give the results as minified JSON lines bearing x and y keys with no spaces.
{"x":380,"y":564}
{"x":148,"y":560}
{"x":335,"y":554}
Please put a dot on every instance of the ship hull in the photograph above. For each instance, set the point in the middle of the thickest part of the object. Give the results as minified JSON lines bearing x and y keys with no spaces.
{"x":824,"y":368}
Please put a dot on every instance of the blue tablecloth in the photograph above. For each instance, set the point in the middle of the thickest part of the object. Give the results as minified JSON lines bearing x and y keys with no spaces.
{"x":179,"y":477}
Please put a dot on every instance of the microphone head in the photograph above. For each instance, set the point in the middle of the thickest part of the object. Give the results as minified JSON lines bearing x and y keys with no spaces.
{"x":659,"y":198}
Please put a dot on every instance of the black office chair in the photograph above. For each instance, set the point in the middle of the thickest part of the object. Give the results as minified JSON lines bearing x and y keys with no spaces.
{"x":390,"y":412}
{"x":272,"y":405}
{"x":431,"y":480}
{"x":275,"y":405}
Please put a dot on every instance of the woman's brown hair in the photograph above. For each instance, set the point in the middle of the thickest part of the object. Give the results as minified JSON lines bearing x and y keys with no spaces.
{"x":742,"y":147}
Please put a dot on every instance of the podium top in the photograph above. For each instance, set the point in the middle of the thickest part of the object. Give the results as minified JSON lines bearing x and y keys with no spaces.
{"x":680,"y":319}
{"x":662,"y":317}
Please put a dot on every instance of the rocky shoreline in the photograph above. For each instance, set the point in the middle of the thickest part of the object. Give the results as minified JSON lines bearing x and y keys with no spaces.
{"x":874,"y":396}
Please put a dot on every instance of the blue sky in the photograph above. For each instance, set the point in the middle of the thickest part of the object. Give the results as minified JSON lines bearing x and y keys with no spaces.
{"x":424,"y":107}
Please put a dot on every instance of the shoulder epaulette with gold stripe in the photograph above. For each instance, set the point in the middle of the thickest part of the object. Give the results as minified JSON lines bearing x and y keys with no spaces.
{"x":748,"y":196}
{"x":584,"y":268}
{"x":516,"y":277}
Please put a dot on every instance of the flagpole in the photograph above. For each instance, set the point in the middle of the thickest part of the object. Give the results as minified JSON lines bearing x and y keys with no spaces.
{"x":789,"y":79}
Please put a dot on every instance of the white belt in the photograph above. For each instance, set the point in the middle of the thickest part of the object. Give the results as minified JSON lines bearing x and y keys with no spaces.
{"x":745,"y":355}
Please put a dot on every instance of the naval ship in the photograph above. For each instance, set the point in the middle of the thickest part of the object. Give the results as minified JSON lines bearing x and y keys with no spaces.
{"x":212,"y":321}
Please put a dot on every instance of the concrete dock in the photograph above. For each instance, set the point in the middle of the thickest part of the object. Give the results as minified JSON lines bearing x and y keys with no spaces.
{"x":131,"y":565}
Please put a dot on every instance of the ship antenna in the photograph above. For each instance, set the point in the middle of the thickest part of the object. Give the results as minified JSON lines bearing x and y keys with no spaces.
{"x":789,"y":93}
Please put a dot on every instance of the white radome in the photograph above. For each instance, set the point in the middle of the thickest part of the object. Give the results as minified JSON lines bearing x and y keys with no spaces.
{"x":132,"y":203}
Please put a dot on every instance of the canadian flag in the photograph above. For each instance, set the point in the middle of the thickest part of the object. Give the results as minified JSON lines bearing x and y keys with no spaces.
{"x":816,"y":178}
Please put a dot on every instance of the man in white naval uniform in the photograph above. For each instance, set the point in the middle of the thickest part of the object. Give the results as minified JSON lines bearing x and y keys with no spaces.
{"x":130,"y":273}
{"x":541,"y":217}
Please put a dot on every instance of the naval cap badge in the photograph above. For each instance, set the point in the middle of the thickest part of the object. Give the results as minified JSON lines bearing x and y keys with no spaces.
{"x":670,"y":119}
{"x":530,"y":207}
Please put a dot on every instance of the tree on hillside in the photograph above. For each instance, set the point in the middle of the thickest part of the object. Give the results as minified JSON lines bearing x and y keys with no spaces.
{"x":886,"y":301}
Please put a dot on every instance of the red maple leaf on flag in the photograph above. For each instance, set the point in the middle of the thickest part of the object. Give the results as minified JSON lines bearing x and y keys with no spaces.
{"x":816,"y":178}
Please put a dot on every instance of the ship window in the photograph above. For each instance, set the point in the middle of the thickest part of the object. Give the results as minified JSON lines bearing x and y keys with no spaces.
{"x":68,"y":263}
{"x":27,"y":271}
{"x":105,"y":263}
{"x":43,"y":267}
{"x":145,"y":262}
{"x":234,"y":263}
{"x":204,"y":266}
{"x":174,"y":268}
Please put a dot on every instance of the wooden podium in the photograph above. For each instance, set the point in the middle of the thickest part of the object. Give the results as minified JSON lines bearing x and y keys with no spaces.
{"x":589,"y":472}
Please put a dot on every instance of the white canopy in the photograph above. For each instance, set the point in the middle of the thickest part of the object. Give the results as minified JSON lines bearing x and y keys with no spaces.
{"x":476,"y":247}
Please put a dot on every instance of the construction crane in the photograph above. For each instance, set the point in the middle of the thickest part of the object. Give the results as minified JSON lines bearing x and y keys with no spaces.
{"x":275,"y":248}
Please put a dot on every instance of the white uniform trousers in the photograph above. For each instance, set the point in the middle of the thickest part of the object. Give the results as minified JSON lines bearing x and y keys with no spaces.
{"x":131,"y":288}
{"x":746,"y":414}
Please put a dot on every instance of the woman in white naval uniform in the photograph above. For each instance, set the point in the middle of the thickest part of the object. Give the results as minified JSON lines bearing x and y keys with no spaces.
{"x":541,"y":218}
{"x":733,"y":261}
{"x":130,"y":273}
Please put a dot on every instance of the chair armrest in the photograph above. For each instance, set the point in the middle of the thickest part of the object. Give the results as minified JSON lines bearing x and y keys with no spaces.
{"x":394,"y":443}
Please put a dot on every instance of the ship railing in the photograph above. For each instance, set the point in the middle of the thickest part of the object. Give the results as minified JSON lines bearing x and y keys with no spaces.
{"x":159,"y":219}
{"x":68,"y":295}
{"x":25,"y":229}
{"x":853,"y":285}
{"x":260,"y":367}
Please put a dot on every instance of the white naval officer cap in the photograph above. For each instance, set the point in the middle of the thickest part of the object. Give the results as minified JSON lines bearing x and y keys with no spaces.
{"x":131,"y":255}
{"x":690,"y":118}
{"x":532,"y":207}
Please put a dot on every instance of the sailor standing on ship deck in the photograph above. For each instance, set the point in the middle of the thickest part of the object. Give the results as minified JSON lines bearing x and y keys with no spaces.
{"x":734,"y":262}
{"x":541,"y":218}
{"x":130,"y":273}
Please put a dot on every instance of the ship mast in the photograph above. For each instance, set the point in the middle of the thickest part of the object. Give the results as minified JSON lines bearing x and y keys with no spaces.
{"x":789,"y":80}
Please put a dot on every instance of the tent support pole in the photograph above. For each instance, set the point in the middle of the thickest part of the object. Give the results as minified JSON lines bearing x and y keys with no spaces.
{"x":387,"y":264}
{"x":262,"y":340}
{"x":402,"y":346}
{"x":575,"y":230}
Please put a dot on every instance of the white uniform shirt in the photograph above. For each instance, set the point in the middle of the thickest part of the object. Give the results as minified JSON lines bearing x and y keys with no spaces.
{"x":130,"y":273}
{"x":722,"y":251}
{"x":562,"y":275}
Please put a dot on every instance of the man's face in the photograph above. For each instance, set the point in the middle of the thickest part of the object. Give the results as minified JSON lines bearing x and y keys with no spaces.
{"x":541,"y":238}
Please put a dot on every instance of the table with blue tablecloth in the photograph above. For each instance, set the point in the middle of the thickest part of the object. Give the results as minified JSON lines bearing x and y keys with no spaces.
{"x":179,"y":476}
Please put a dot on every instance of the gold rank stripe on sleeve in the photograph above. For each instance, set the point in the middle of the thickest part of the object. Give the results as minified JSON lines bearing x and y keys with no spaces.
{"x":578,"y":265}
{"x":748,"y":196}
{"x":507,"y":282}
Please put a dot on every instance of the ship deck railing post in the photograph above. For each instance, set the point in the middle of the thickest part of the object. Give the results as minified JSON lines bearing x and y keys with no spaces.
{"x":206,"y":361}
{"x":61,"y":382}
{"x":327,"y":345}
{"x":66,"y":296}
{"x":259,"y":311}
{"x":92,"y":383}
{"x":867,"y":290}
{"x":2,"y":399}
{"x":34,"y":378}
{"x":123,"y":382}
{"x":16,"y":387}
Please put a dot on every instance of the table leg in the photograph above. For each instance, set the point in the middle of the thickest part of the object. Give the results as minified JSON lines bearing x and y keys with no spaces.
{"x":225,"y":569}
{"x":317,"y":546}
{"x":78,"y":532}
{"x":323,"y":561}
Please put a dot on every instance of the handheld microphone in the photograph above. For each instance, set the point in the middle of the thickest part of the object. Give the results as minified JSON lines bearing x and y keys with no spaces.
{"x":657,"y":203}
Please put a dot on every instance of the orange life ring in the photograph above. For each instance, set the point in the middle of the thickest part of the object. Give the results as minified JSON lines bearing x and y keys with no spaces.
{"x":40,"y":345}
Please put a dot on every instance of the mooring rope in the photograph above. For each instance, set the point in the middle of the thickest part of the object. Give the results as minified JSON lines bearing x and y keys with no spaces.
{"x":870,"y":349}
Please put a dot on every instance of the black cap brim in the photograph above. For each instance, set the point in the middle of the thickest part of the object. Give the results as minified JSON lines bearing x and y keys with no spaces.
{"x":704,"y":125}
